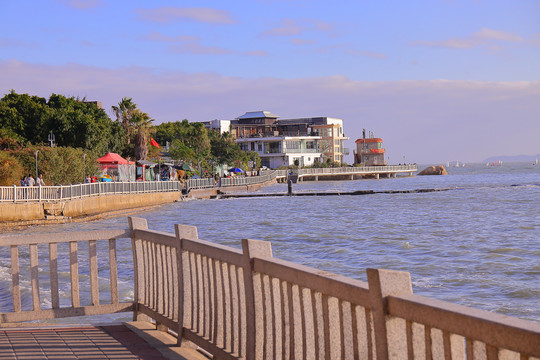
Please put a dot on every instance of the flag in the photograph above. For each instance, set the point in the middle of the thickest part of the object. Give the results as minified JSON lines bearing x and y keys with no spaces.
{"x":154,"y":142}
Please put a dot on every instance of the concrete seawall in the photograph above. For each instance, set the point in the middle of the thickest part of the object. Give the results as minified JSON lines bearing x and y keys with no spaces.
{"x":13,"y":215}
{"x":20,"y":213}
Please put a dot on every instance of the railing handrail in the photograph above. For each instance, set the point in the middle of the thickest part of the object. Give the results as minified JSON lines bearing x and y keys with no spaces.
{"x":248,"y":304}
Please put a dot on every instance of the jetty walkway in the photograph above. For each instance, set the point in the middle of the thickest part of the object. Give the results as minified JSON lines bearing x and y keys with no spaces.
{"x":243,"y":303}
{"x":22,"y":205}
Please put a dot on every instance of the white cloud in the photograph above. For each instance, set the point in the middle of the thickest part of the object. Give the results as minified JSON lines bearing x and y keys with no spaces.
{"x":426,"y":121}
{"x":483,"y":37}
{"x":83,"y":4}
{"x":156,"y":36}
{"x":370,"y":54}
{"x":290,"y":27}
{"x":12,"y":43}
{"x":171,"y":14}
{"x":198,"y":49}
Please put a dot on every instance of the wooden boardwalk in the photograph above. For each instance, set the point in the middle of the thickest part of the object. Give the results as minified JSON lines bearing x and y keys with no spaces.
{"x":131,"y":341}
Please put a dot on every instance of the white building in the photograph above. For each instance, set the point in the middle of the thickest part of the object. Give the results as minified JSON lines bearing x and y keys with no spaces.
{"x":302,"y":141}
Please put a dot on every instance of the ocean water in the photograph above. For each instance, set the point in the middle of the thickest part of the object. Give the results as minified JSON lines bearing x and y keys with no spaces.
{"x":477,"y":243}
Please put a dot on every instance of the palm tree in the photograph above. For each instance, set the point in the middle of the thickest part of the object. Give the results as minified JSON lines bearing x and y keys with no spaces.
{"x":124,"y":113}
{"x":141,"y":124}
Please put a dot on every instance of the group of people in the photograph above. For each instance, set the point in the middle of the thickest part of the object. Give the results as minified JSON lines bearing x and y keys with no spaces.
{"x":30,"y":181}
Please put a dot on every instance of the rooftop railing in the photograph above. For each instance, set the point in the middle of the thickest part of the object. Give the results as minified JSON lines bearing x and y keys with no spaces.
{"x":246,"y":304}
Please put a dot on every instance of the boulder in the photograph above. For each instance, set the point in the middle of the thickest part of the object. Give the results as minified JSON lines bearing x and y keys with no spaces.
{"x":434,"y":170}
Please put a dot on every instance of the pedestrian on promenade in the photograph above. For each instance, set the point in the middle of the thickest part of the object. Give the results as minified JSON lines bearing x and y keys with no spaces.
{"x":30,"y":180}
{"x":87,"y":180}
{"x":24,"y":181}
{"x":39,"y":180}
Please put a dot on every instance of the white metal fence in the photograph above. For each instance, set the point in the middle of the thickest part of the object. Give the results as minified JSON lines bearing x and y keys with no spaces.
{"x":78,"y":191}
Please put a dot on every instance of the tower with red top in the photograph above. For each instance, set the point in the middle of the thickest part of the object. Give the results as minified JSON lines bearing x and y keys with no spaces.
{"x":369,"y":151}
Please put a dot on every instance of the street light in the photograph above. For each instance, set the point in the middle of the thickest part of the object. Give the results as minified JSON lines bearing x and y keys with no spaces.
{"x":36,"y":153}
{"x":84,"y":166}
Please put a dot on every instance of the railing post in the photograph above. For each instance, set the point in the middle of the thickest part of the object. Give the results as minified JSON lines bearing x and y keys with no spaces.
{"x":14,"y":193}
{"x":254,"y":326}
{"x":137,"y":249}
{"x":190,"y":233}
{"x":390,"y":342}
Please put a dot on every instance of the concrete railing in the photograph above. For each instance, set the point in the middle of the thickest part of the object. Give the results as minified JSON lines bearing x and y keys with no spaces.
{"x":247,"y":304}
{"x":27,"y":262}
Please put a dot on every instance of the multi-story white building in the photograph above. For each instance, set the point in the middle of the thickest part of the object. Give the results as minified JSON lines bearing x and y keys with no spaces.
{"x":302,"y":142}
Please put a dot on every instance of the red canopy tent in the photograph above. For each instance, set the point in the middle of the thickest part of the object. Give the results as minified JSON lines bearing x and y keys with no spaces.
{"x":112,"y":159}
{"x":118,"y":167}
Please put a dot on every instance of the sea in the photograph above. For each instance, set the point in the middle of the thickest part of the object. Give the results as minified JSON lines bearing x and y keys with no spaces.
{"x":475,"y":243}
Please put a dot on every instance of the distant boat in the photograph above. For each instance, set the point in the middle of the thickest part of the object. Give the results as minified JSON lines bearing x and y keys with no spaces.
{"x":457,"y":163}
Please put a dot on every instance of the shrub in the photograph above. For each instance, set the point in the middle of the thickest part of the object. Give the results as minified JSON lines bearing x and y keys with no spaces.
{"x":11,"y":170}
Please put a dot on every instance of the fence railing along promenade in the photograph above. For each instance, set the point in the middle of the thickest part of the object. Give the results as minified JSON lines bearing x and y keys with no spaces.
{"x":246,"y":304}
{"x":78,"y":191}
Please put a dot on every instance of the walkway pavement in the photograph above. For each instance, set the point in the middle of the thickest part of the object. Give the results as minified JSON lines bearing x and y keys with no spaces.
{"x":88,"y":342}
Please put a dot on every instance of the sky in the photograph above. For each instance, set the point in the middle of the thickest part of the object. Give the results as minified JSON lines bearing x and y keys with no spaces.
{"x":437,"y":80}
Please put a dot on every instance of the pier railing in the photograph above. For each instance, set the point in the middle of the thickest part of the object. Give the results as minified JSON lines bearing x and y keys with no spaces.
{"x":246,"y":304}
{"x":358,"y":170}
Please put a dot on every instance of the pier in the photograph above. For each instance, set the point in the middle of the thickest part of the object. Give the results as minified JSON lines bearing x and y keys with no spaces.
{"x":246,"y":304}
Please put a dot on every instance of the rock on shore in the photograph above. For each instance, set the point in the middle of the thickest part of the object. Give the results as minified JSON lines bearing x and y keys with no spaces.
{"x":434,"y":170}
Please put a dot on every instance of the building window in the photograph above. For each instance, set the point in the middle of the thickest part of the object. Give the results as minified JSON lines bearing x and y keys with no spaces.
{"x":259,"y":148}
{"x":310,"y":144}
{"x":293,"y":145}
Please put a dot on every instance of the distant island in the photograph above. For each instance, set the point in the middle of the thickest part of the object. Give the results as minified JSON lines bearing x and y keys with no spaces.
{"x":513,"y":158}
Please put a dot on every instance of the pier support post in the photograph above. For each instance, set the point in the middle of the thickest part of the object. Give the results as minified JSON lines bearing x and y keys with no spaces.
{"x":189,"y":233}
{"x":254,"y":330}
{"x":390,"y":341}
{"x":377,"y":176}
{"x":138,"y":275}
{"x":289,"y":188}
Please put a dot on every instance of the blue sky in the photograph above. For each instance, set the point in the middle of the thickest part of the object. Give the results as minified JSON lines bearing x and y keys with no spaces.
{"x":423,"y":75}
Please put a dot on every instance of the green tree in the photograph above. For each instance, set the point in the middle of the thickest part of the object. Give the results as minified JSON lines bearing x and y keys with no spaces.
{"x":25,"y":116}
{"x":141,"y":123}
{"x":124,"y":115}
{"x":223,"y":149}
{"x":77,"y":123}
{"x":58,"y":165}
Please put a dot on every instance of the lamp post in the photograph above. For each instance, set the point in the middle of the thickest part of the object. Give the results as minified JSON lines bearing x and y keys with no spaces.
{"x":84,"y":166}
{"x":51,"y":138}
{"x":36,"y":154}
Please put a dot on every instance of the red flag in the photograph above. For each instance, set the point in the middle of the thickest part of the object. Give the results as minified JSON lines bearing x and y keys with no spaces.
{"x":154,"y":142}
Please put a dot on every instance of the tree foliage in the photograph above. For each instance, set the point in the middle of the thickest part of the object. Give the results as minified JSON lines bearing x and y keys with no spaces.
{"x":11,"y":170}
{"x":58,"y":165}
{"x":74,"y":122}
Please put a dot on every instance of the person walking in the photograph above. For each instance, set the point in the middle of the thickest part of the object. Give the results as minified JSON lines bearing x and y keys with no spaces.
{"x":39,"y":181}
{"x":30,"y":180}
